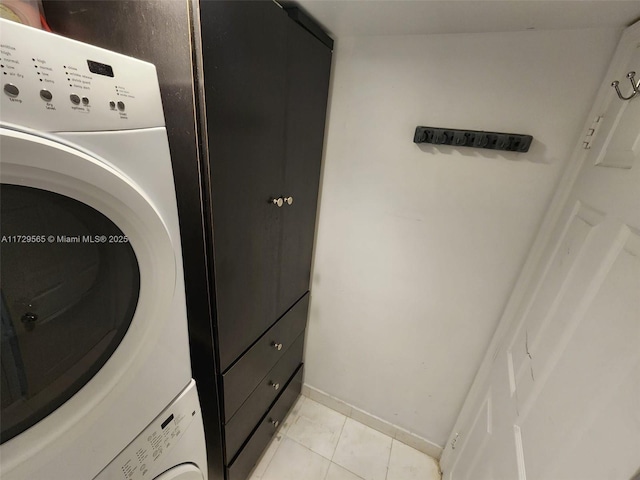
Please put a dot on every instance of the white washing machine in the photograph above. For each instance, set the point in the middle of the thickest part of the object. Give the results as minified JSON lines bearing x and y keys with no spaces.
{"x":94,"y":331}
{"x":170,"y":448}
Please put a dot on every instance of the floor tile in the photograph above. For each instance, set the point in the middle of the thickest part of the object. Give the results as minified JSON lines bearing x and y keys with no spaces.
{"x":407,"y":463}
{"x":363,"y":451}
{"x":317,"y":428}
{"x":336,"y":472}
{"x":266,"y":457}
{"x":292,"y":416}
{"x":292,"y":461}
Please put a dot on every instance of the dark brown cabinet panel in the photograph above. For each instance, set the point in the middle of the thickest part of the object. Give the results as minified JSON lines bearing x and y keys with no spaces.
{"x":308,"y":67}
{"x":239,"y":428}
{"x":244,"y":59}
{"x":266,"y":82}
{"x":250,"y":453}
{"x":247,"y":372}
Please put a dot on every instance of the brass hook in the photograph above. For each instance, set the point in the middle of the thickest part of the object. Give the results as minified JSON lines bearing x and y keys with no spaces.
{"x":634,"y":85}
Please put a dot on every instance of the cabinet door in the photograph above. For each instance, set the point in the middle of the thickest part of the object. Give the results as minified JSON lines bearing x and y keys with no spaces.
{"x":244,"y":55}
{"x":308,"y":68}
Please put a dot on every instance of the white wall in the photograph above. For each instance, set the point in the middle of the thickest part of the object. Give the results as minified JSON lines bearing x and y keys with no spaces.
{"x":418,"y":247}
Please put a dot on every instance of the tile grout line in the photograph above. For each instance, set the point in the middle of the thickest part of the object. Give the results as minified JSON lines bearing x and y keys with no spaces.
{"x":327,"y":472}
{"x":315,"y":453}
{"x":344,"y":467}
{"x":339,"y":437}
{"x":272,"y":456}
{"x":307,"y":448}
{"x":312,"y":451}
{"x":386,"y":477}
{"x":284,"y":435}
{"x":336,"y":448}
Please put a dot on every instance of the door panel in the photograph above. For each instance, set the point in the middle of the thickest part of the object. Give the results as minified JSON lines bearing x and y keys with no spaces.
{"x":565,"y":381}
{"x":478,"y":437}
{"x":583,"y":380}
{"x":620,"y":147}
{"x":244,"y":69}
{"x":308,"y":68}
{"x":546,"y":317}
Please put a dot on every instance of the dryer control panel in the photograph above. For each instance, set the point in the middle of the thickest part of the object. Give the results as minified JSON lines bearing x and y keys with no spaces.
{"x":139,"y":459}
{"x":54,"y":84}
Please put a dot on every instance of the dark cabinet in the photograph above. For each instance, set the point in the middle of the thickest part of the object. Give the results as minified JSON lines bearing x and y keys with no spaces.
{"x":266,"y":81}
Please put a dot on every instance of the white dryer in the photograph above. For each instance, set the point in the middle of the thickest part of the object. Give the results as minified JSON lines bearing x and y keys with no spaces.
{"x":170,"y":448}
{"x":94,"y":331}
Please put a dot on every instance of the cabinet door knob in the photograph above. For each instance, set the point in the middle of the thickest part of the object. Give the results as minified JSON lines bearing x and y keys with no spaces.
{"x":276,"y":386}
{"x":278,"y":201}
{"x":277,"y":346}
{"x":288,"y":200}
{"x":29,"y":320}
{"x":273,"y":422}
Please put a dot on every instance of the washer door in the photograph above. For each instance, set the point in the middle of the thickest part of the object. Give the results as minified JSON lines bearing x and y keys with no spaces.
{"x":70,"y":286}
{"x":188,"y":471}
{"x":88,"y":269}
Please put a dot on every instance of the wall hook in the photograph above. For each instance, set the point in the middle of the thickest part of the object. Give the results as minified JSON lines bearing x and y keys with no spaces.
{"x":634,"y":85}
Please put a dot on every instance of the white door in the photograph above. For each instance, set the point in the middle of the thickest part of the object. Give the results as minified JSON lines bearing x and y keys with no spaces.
{"x":561,"y":396}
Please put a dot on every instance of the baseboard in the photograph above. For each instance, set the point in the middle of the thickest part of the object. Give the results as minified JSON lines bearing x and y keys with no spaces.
{"x":421,"y":444}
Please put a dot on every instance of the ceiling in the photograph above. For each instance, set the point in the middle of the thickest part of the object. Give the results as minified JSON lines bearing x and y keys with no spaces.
{"x":342,"y":18}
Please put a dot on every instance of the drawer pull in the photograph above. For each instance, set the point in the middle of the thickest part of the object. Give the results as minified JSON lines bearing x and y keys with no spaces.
{"x":277,"y":346}
{"x":275,"y":386}
{"x":278,"y":201}
{"x":288,"y":200}
{"x":275,"y":423}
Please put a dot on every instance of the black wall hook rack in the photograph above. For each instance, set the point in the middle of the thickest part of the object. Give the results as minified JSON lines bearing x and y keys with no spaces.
{"x":511,"y":142}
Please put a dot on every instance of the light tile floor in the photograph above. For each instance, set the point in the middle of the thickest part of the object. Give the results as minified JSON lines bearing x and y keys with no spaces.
{"x":317,"y":443}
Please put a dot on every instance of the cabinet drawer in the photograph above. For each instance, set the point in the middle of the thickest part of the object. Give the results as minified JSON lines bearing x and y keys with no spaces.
{"x":249,"y":455}
{"x":243,"y":377}
{"x":251,"y":411}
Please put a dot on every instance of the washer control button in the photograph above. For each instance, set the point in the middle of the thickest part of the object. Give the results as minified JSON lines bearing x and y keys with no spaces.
{"x":85,"y":101}
{"x":11,"y":90}
{"x":75,"y":99}
{"x":121,"y":106}
{"x":46,"y":95}
{"x":112,"y":105}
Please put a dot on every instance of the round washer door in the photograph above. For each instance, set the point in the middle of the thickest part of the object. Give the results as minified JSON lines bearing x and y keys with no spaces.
{"x":187,"y":471}
{"x":128,"y":277}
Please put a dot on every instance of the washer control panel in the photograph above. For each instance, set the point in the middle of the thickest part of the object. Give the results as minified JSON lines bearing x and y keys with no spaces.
{"x":139,"y":459}
{"x":51,"y":83}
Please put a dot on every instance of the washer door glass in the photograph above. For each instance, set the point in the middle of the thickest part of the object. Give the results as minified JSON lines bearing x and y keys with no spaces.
{"x":70,"y":283}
